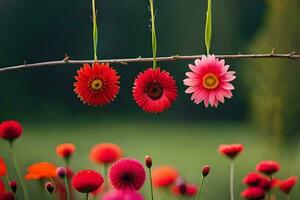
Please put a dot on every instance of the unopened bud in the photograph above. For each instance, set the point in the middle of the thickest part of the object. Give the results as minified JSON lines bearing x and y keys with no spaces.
{"x":182,"y":187}
{"x":205,"y":170}
{"x":148,"y":161}
{"x":49,"y":187}
{"x":61,"y":172}
{"x":13,"y":186}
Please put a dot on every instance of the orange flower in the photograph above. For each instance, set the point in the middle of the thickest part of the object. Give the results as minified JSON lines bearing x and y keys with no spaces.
{"x":105,"y":153}
{"x":65,"y":150}
{"x":3,"y":169}
{"x":164,"y":176}
{"x":41,"y":170}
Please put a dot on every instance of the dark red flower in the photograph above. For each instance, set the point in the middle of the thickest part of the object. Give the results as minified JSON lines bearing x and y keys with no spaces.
{"x":148,"y":161}
{"x":97,"y":85}
{"x":105,"y":153}
{"x":253,"y":193}
{"x":231,"y":150}
{"x":49,"y":187}
{"x":13,"y":186}
{"x":154,"y":90}
{"x":266,"y":184}
{"x":191,"y":190}
{"x":287,"y":185}
{"x":10,"y":130}
{"x":86,"y":181}
{"x":268,"y":167}
{"x":205,"y":170}
{"x":127,"y":174}
{"x":7,"y":196}
{"x":252,"y":179}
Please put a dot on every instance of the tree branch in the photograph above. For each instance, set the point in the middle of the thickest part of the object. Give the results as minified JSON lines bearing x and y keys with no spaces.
{"x":125,"y":61}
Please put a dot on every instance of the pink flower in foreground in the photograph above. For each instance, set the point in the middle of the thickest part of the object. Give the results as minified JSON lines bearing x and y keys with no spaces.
{"x":209,"y":81}
{"x":122,"y":195}
{"x":127,"y":174}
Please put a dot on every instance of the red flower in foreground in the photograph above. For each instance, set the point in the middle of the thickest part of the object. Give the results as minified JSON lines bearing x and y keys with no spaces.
{"x":268,"y":167}
{"x":41,"y":170}
{"x":164,"y":176}
{"x":231,"y":150}
{"x":106,"y":153}
{"x":127,"y":174}
{"x":97,"y":85}
{"x":191,"y":190}
{"x":87,"y":181}
{"x":7,"y":196}
{"x":65,"y":150}
{"x":209,"y":81}
{"x":10,"y":130}
{"x":252,"y":179}
{"x":154,"y":90}
{"x":3,"y":168}
{"x":253,"y":193}
{"x":287,"y":185}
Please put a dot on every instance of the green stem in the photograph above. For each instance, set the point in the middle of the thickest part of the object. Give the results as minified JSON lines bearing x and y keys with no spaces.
{"x":95,"y":30}
{"x":200,"y":188}
{"x":208,"y":27}
{"x":87,"y":196}
{"x":151,"y":186}
{"x":67,"y":186}
{"x":288,"y":197}
{"x":269,"y":192}
{"x":231,"y":180}
{"x":14,"y":160}
{"x":105,"y":177}
{"x":153,"y":33}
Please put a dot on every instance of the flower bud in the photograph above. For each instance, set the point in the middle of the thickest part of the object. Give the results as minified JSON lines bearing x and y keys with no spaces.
{"x":49,"y":187}
{"x":61,"y":172}
{"x":205,"y":170}
{"x":13,"y":186}
{"x":148,"y":161}
{"x":182,"y":187}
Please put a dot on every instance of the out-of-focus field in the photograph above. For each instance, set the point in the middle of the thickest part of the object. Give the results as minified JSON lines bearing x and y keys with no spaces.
{"x":185,"y":145}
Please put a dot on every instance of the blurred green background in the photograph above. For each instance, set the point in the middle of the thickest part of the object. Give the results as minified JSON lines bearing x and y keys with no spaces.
{"x":264,"y":113}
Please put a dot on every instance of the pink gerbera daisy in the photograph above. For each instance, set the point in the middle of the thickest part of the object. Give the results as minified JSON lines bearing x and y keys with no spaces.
{"x":209,"y":81}
{"x":154,"y":90}
{"x":127,"y":175}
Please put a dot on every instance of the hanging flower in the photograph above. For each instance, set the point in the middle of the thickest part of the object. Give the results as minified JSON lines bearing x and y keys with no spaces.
{"x":10,"y":130}
{"x":127,"y":174}
{"x":164,"y":176}
{"x":252,"y":179}
{"x":154,"y":90}
{"x":268,"y":167}
{"x":253,"y":193}
{"x":105,"y":153}
{"x":209,"y":81}
{"x":3,"y":168}
{"x":41,"y":170}
{"x":65,"y":150}
{"x":87,"y":181}
{"x":231,"y":150}
{"x":123,"y":195}
{"x":287,"y":185}
{"x":97,"y":85}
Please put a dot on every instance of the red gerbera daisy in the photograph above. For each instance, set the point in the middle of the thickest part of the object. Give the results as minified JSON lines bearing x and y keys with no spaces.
{"x":286,"y":185}
{"x":268,"y":167}
{"x":105,"y":153}
{"x":253,"y":193}
{"x":231,"y":150}
{"x":10,"y":130}
{"x":127,"y":174}
{"x":154,"y":90}
{"x":97,"y":85}
{"x":87,"y":181}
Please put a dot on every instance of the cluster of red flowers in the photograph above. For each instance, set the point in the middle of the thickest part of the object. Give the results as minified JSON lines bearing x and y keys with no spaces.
{"x":155,"y":90}
{"x":260,"y":183}
{"x":126,"y":176}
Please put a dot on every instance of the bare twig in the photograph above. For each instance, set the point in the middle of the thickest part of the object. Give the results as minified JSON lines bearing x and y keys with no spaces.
{"x":125,"y":61}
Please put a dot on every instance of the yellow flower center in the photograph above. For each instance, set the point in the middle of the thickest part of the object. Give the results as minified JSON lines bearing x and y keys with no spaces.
{"x":96,"y":84}
{"x":210,"y":81}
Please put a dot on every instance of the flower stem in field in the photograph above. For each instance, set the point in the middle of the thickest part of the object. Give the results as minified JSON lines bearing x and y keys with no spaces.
{"x":151,"y":185}
{"x":105,"y":177}
{"x":87,"y":196}
{"x":14,"y":160}
{"x":200,"y":188}
{"x":67,"y":186}
{"x":232,"y":180}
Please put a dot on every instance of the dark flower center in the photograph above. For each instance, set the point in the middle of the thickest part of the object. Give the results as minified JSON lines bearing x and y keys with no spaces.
{"x":155,"y":91}
{"x":127,"y":177}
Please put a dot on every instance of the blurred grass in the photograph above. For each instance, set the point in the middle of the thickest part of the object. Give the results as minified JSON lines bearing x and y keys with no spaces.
{"x":186,"y":145}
